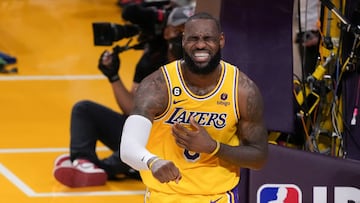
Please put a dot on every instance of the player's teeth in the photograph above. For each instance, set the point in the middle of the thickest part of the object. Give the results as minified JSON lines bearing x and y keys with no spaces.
{"x":201,"y":54}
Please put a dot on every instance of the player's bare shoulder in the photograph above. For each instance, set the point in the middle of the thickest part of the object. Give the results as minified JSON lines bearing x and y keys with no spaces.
{"x":151,"y":97}
{"x":250,"y":98}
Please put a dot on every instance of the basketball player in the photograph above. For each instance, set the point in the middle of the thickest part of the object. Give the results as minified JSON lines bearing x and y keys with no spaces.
{"x":195,"y":122}
{"x":92,"y":122}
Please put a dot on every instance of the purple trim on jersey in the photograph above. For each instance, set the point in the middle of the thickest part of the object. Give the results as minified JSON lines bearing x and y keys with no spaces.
{"x":236,"y":94}
{"x":235,"y":193}
{"x":166,"y":77}
{"x":194,"y":95}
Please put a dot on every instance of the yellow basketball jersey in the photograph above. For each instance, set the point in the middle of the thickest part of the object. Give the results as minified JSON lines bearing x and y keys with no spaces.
{"x":216,"y":111}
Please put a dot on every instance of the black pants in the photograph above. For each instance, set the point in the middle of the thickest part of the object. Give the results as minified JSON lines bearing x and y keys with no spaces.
{"x":92,"y":122}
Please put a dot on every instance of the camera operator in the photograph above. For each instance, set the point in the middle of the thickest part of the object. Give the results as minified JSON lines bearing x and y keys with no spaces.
{"x":146,"y":15}
{"x":92,"y":122}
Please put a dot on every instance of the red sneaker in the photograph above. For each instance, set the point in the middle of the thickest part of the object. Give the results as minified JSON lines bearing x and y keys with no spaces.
{"x":80,"y":173}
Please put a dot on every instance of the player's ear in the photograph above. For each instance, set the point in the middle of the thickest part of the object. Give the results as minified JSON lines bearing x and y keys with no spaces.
{"x":222,"y":40}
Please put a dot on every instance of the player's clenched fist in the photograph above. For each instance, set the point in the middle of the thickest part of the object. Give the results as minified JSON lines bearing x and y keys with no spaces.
{"x":165,"y":171}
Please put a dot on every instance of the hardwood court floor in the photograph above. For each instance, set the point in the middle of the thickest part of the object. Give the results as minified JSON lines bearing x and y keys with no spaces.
{"x":57,"y":63}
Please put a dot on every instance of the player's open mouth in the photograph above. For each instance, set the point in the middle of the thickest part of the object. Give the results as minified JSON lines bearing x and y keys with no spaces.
{"x":200,"y":57}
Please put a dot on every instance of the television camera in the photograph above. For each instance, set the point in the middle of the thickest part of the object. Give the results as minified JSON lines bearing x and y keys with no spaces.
{"x":147,"y":21}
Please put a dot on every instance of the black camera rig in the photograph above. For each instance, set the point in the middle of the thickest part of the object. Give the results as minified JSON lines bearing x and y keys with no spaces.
{"x":147,"y":19}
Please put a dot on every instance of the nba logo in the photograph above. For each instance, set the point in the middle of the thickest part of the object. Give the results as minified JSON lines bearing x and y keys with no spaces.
{"x":279,"y":193}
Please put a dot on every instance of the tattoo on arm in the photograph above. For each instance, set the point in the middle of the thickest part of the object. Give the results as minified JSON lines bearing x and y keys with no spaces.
{"x":254,"y":105}
{"x":252,"y":109}
{"x":151,"y":97}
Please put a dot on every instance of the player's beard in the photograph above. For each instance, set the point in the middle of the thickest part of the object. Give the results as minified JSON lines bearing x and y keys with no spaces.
{"x":210,"y":67}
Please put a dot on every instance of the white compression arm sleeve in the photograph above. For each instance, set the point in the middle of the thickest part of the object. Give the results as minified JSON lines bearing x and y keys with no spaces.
{"x":134,"y":138}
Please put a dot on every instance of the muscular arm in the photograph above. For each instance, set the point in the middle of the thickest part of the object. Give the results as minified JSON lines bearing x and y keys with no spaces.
{"x":252,"y":152}
{"x":124,"y":97}
{"x":109,"y":65}
{"x":150,"y":100}
{"x":151,"y":97}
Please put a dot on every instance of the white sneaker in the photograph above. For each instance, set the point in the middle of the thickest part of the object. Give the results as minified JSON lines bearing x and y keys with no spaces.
{"x":80,"y":173}
{"x":63,"y":160}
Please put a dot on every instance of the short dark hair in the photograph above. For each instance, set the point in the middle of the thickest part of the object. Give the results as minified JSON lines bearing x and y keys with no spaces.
{"x":205,"y":15}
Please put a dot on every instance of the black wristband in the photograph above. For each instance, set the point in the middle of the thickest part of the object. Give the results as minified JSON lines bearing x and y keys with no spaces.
{"x":114,"y":78}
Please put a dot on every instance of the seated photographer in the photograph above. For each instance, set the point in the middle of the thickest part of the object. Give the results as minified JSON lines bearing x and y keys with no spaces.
{"x":92,"y":122}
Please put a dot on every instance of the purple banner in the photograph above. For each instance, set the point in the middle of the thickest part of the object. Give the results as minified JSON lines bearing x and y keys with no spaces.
{"x":299,"y":176}
{"x":258,"y":38}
